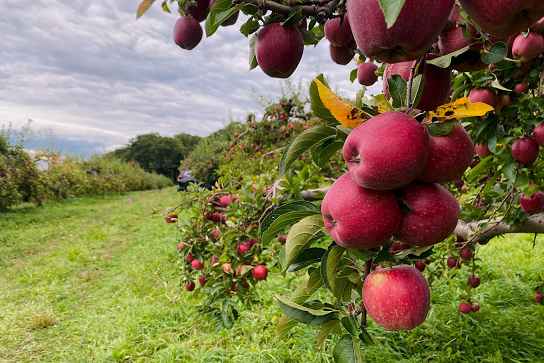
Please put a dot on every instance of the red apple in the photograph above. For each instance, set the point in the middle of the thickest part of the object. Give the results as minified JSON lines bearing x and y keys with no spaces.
{"x":395,"y":246}
{"x":485,"y":95}
{"x":197,"y":265}
{"x":465,"y":307}
{"x":521,"y":88}
{"x":503,"y":101}
{"x":242,"y":248}
{"x":538,"y":26}
{"x":227,"y":199}
{"x":434,"y":215}
{"x":181,"y":245}
{"x":538,"y":297}
{"x":405,"y":246}
{"x":358,"y":217}
{"x":190,"y":286}
{"x":199,"y":11}
{"x":189,"y":258}
{"x":187,"y":32}
{"x":458,"y":183}
{"x":202,"y":280}
{"x":227,"y":267}
{"x":279,"y":49}
{"x":504,"y":18}
{"x":387,"y":151}
{"x":525,"y":151}
{"x":338,"y":31}
{"x":482,"y":150}
{"x":449,"y":156}
{"x":420,"y":265}
{"x":452,"y":262}
{"x":436,"y":90}
{"x":282,"y":239}
{"x":473,"y":281}
{"x":366,"y":73}
{"x":538,"y":134}
{"x":427,"y":18}
{"x":171,"y":218}
{"x":533,"y":204}
{"x":215,"y":235}
{"x":396,"y":298}
{"x":260,"y":272}
{"x":474,"y":307}
{"x":466,"y":254}
{"x":341,"y":55}
{"x":529,"y":47}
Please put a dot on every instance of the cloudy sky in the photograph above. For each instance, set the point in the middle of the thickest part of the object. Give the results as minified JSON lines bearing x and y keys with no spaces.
{"x":91,"y":76}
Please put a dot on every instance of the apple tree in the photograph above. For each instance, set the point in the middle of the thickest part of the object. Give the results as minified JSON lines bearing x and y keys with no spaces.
{"x":447,"y":158}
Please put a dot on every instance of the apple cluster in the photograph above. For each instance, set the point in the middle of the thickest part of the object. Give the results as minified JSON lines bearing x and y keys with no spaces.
{"x":342,"y":46}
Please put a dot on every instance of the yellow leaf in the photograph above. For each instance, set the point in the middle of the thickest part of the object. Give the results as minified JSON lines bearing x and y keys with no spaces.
{"x":461,"y":108}
{"x":346,"y":113}
{"x":144,"y":6}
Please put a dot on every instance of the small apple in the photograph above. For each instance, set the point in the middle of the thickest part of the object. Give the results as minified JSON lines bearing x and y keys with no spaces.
{"x":473,"y":281}
{"x":242,"y":248}
{"x":171,"y":218}
{"x":525,"y":151}
{"x":202,"y":280}
{"x":282,"y":239}
{"x":227,"y":199}
{"x":341,"y":55}
{"x":181,"y":245}
{"x":395,"y":246}
{"x":458,"y":183}
{"x":420,"y":265}
{"x":189,"y":258}
{"x":538,"y":134}
{"x":474,"y":306}
{"x":482,"y":150}
{"x":521,"y":88}
{"x":405,"y":246}
{"x":190,"y":286}
{"x":466,"y":254}
{"x":215,"y":235}
{"x":187,"y":32}
{"x":538,"y":297}
{"x":338,"y":31}
{"x":526,"y":48}
{"x":279,"y":49}
{"x":533,"y":204}
{"x":465,"y":307}
{"x":227,"y":267}
{"x":199,"y":11}
{"x":396,"y":298}
{"x":260,"y":272}
{"x":485,"y":95}
{"x":452,"y":262}
{"x":366,"y":73}
{"x":197,"y":265}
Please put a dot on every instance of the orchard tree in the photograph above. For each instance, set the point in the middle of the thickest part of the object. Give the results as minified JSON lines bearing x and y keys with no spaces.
{"x":448,"y":157}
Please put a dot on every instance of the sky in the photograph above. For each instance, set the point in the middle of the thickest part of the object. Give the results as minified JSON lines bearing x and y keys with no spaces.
{"x":91,"y":77}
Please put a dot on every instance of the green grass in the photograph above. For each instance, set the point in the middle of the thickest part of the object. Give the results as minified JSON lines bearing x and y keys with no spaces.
{"x":87,"y":280}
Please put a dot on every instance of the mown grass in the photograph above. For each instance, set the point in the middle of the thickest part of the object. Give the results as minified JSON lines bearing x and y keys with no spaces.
{"x":87,"y":280}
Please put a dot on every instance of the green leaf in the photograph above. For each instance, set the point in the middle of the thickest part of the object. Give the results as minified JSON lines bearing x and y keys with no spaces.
{"x":164,"y":6}
{"x":383,"y":256}
{"x":349,"y":326}
{"x":304,"y":141}
{"x":342,"y":132}
{"x":315,"y":282}
{"x":285,"y":215}
{"x":441,"y":129}
{"x":322,"y":153}
{"x":483,"y":165}
{"x":329,"y":263}
{"x":344,"y":350}
{"x":418,"y":83}
{"x":293,"y":18}
{"x":496,"y":53}
{"x":317,"y":105}
{"x":306,"y":258}
{"x":522,"y":180}
{"x":304,"y":314}
{"x":218,"y":13}
{"x":301,"y":235}
{"x":366,"y":338}
{"x":328,"y":328}
{"x":284,"y":326}
{"x":445,"y":60}
{"x":391,"y":10}
{"x":309,"y":37}
{"x":397,"y":90}
{"x":252,"y":57}
{"x":495,"y":84}
{"x":143,"y":8}
{"x":224,"y":15}
{"x":509,"y":171}
{"x":353,"y":75}
{"x":250,"y":27}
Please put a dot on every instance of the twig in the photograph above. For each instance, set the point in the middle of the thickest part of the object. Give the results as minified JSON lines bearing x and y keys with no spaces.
{"x":270,"y":153}
{"x":366,"y":272}
{"x":539,"y":94}
{"x":322,"y":12}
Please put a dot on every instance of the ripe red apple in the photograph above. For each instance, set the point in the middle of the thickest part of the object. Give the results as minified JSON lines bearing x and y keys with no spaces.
{"x":521,"y":88}
{"x":529,"y":47}
{"x":358,"y":217}
{"x":341,"y":55}
{"x":434,"y":215}
{"x":458,"y":183}
{"x":260,"y":272}
{"x":525,"y":151}
{"x":473,"y":281}
{"x":538,"y":134}
{"x":449,"y":156}
{"x":216,"y":217}
{"x":338,"y":31}
{"x":538,"y":297}
{"x":227,"y":199}
{"x":405,"y":246}
{"x":533,"y":204}
{"x":227,"y":267}
{"x":436,"y":90}
{"x":181,"y":245}
{"x":187,"y":32}
{"x":420,"y":265}
{"x":387,"y":151}
{"x":189,"y":258}
{"x":202,"y":280}
{"x":366,"y":73}
{"x":214,"y":235}
{"x":427,"y":18}
{"x":199,"y":11}
{"x":474,"y":306}
{"x":503,"y":101}
{"x":504,"y":18}
{"x":242,"y":248}
{"x":190,"y":286}
{"x":197,"y":265}
{"x":466,"y":254}
{"x":485,"y":95}
{"x":453,"y":262}
{"x":282,"y":239}
{"x":396,"y":298}
{"x":252,"y":241}
{"x":279,"y":49}
{"x":171,"y":218}
{"x":395,"y":246}
{"x":482,"y":150}
{"x":465,"y":307}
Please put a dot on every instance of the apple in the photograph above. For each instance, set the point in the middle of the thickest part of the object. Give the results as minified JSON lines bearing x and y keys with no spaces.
{"x":533,"y":204}
{"x":358,"y":217}
{"x":202,"y":280}
{"x":485,"y":95}
{"x":227,"y":267}
{"x":405,"y":246}
{"x":187,"y":32}
{"x":458,"y":183}
{"x":538,"y":297}
{"x":189,"y":258}
{"x":465,"y":307}
{"x":525,"y":151}
{"x":466,"y":254}
{"x":190,"y":286}
{"x":208,"y":216}
{"x":524,"y":68}
{"x":181,"y":245}
{"x":420,"y":265}
{"x":279,"y":49}
{"x":338,"y":31}
{"x":538,"y":134}
{"x":341,"y":55}
{"x":199,"y":11}
{"x":252,"y":241}
{"x":396,"y":298}
{"x":434,"y":215}
{"x":503,"y":101}
{"x":282,"y":239}
{"x":529,"y":47}
{"x":216,"y":217}
{"x":474,"y":307}
{"x":449,"y":156}
{"x":436,"y":90}
{"x":171,"y":218}
{"x":482,"y":150}
{"x":521,"y":88}
{"x":473,"y":281}
{"x":242,"y":248}
{"x":215,"y":260}
{"x":395,"y":246}
{"x":538,"y":26}
{"x":504,"y":18}
{"x":427,"y":18}
{"x":260,"y":272}
{"x":215,"y":235}
{"x":366,"y":73}
{"x":387,"y":151}
{"x":241,"y":269}
{"x":197,"y":265}
{"x":453,"y":262}
{"x":227,"y":199}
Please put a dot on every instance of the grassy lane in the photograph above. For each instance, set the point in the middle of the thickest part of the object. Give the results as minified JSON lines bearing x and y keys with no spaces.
{"x":78,"y":283}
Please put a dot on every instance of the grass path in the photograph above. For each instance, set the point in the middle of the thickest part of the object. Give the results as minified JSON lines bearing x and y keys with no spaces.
{"x":78,"y":283}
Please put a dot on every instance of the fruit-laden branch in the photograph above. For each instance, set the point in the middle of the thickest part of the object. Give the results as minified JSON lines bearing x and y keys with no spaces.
{"x":321,"y":12}
{"x":486,"y":229}
{"x":535,"y":224}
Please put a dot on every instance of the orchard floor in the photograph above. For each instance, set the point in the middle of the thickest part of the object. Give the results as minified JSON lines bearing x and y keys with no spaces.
{"x":88,"y":280}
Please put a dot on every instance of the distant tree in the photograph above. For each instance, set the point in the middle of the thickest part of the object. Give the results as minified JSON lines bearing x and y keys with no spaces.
{"x":188,"y":142}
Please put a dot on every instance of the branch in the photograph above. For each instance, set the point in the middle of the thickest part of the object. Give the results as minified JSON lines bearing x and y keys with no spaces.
{"x":270,"y":153}
{"x":535,"y":224}
{"x":313,"y":194}
{"x":321,"y":12}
